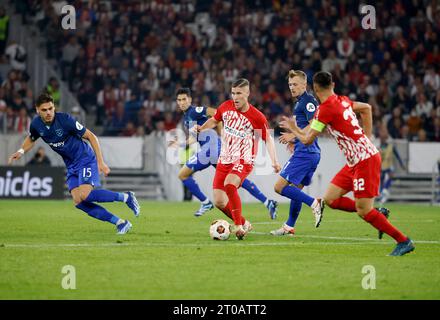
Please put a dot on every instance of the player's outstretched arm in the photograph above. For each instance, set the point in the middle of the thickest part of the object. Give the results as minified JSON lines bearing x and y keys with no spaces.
{"x":89,"y":135}
{"x":306,"y":136}
{"x":25,"y":147}
{"x":211,"y":123}
{"x":270,"y":145}
{"x":365,"y":110}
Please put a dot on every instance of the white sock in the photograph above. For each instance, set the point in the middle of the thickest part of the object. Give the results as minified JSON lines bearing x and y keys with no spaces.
{"x":266,"y":203}
{"x":315,"y":204}
{"x":125,"y":197}
{"x":119,"y":222}
{"x":206,"y":201}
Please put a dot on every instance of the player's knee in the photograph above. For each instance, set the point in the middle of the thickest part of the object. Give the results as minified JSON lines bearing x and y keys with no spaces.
{"x":220,"y":203}
{"x":278,"y":188}
{"x":184,"y":174}
{"x":83,"y":195}
{"x":362,"y":210}
{"x":76,"y":200}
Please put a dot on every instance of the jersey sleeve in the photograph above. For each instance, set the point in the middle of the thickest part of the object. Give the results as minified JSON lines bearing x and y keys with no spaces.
{"x":322,"y":118}
{"x":219,"y":112}
{"x":263,"y":127}
{"x":74,"y":127}
{"x":310,"y":109}
{"x":198,"y":113}
{"x":33,"y":133}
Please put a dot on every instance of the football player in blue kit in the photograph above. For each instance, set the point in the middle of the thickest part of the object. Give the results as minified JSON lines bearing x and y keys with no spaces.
{"x":84,"y":163}
{"x":299,"y":170}
{"x":210,"y":146}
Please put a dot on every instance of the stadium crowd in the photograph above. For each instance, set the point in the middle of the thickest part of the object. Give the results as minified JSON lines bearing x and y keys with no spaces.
{"x":125,"y":60}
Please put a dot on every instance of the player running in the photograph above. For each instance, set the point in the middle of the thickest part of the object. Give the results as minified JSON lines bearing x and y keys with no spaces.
{"x":361,"y":174}
{"x":210,"y":144}
{"x":299,"y":170}
{"x":243,"y":125}
{"x":84,"y":163}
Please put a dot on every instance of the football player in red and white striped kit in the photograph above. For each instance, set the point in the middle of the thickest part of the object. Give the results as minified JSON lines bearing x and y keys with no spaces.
{"x":243,"y":125}
{"x":361,"y":174}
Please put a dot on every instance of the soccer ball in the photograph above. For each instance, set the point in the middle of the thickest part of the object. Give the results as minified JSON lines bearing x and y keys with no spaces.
{"x":220,"y":230}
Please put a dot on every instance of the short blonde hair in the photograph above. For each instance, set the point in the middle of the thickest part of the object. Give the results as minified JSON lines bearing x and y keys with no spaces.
{"x":297,"y":73}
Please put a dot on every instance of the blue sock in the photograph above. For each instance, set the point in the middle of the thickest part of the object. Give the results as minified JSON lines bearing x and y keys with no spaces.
{"x":192,"y":185}
{"x":97,"y":212}
{"x":294,"y":193}
{"x":387,"y":183}
{"x":103,"y":195}
{"x":253,"y":190}
{"x":295,"y":209}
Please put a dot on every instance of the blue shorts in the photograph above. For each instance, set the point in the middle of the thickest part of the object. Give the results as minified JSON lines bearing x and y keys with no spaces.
{"x":207,"y":156}
{"x":300,"y":168}
{"x":86,"y":173}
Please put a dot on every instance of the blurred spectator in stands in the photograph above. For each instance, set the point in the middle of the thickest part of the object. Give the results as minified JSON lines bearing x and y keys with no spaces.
{"x":423,"y":106}
{"x":16,"y":55}
{"x":39,"y":158}
{"x":169,"y":123}
{"x":53,"y":88}
{"x":117,"y":121}
{"x":10,"y":120}
{"x":421,"y":136}
{"x":22,"y":121}
{"x":3,"y":115}
{"x":106,"y":103}
{"x":69,"y":53}
{"x":434,"y":135}
{"x":414,"y":123}
{"x":345,"y":46}
{"x":395,"y":123}
{"x":4,"y":30}
{"x":17,"y":103}
{"x":132,"y":107}
{"x":79,"y":114}
{"x":431,"y":80}
{"x":129,"y":130}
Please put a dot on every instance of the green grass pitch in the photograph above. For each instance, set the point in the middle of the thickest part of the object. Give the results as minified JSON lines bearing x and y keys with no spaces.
{"x":168,"y":255}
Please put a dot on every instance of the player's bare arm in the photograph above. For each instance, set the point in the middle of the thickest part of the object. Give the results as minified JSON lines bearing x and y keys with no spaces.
{"x":25,"y":147}
{"x":306,"y":135}
{"x":365,"y":111}
{"x":270,"y":145}
{"x":94,"y":142}
{"x":211,"y":123}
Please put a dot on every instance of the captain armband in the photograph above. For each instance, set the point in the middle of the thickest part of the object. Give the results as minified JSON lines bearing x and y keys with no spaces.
{"x":317,"y":125}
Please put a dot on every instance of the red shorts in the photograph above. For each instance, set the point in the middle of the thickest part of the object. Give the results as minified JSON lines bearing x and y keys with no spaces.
{"x":222,"y":170}
{"x":363,"y":179}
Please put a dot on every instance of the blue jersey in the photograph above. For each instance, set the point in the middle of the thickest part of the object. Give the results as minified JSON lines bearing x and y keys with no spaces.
{"x":63,"y":135}
{"x":304,"y":110}
{"x":197,"y":115}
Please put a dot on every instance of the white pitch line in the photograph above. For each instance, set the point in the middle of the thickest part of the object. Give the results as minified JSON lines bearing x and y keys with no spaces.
{"x":213,"y":244}
{"x":180,"y":245}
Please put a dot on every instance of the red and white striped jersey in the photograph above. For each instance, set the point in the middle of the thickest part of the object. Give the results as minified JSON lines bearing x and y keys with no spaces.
{"x":341,"y":121}
{"x":241,"y":131}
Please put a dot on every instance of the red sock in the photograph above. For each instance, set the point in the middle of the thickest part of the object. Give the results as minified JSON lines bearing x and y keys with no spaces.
{"x":378,"y":220}
{"x":227,"y":210}
{"x":235,"y":202}
{"x":344,"y":204}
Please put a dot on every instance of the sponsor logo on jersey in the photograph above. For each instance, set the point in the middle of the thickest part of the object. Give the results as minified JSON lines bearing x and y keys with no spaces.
{"x":56,"y":144}
{"x":310,"y":107}
{"x":79,"y":126}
